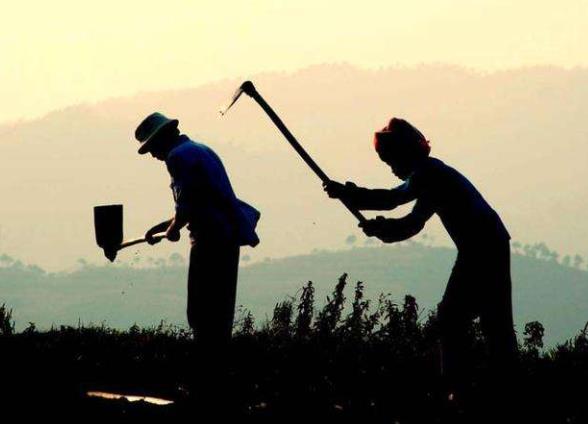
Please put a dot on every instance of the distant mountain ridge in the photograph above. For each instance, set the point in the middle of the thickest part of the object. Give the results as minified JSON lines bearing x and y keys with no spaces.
{"x":519,"y":135}
{"x":544,"y":289}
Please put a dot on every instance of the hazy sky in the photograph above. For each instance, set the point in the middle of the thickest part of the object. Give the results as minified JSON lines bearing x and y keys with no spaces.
{"x":63,"y":52}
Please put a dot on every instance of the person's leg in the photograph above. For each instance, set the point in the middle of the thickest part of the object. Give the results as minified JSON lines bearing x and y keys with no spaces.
{"x":202,"y":317}
{"x":227,"y":291}
{"x":496,"y":320}
{"x":455,"y":313}
{"x":228,"y":268}
{"x":214,"y":292}
{"x":496,"y":315}
{"x":192,"y":289}
{"x":198,"y":375}
{"x":212,"y":282}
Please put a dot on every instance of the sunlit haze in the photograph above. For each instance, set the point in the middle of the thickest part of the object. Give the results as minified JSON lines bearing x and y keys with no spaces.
{"x":66,"y":52}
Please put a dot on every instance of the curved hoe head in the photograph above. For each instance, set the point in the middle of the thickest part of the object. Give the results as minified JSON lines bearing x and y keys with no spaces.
{"x":247,"y":87}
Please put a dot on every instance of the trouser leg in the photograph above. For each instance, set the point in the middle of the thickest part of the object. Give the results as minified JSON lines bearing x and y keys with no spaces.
{"x":212,"y":285}
{"x":454,"y":323}
{"x":498,"y":329}
{"x":212,"y":288}
{"x":496,"y":320}
{"x":454,"y":317}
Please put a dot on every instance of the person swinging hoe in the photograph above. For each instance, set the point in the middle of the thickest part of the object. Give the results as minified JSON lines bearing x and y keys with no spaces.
{"x":480,"y":282}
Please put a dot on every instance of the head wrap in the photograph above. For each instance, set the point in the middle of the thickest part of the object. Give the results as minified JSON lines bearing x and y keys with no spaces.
{"x":400,"y":138}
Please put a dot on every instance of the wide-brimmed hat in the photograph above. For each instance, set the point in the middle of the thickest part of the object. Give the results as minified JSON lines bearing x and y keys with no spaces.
{"x":150,"y":127}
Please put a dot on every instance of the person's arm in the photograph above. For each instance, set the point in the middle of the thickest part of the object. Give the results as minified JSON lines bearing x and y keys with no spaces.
{"x":172,"y":232}
{"x":184,"y":191}
{"x":158,"y":228}
{"x":370,"y":199}
{"x":399,"y":229}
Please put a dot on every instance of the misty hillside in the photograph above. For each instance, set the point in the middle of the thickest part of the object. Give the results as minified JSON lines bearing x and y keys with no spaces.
{"x":520,"y":136}
{"x":146,"y":293}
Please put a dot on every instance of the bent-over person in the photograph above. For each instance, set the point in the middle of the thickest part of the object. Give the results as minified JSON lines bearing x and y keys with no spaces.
{"x":480,"y":282}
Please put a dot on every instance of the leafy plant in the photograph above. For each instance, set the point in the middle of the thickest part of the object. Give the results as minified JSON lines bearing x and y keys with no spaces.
{"x":6,"y":322}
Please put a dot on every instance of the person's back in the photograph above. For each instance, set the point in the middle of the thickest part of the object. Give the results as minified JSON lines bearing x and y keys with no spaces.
{"x":212,"y":207}
{"x":465,"y":214}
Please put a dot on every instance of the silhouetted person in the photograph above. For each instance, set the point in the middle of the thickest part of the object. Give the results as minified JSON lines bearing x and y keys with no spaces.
{"x":219,"y":224}
{"x":480,"y":283}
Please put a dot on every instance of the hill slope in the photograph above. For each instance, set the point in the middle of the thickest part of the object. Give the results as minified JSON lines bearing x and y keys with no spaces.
{"x":519,"y":135}
{"x":119,"y":296}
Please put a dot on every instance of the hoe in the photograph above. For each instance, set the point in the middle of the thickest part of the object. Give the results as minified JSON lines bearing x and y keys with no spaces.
{"x":108,"y":225}
{"x":248,"y":88}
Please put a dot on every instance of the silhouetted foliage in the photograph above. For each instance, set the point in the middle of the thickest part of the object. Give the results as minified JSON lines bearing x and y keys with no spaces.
{"x":371,"y":362}
{"x":6,"y":323}
{"x":360,"y":323}
{"x":329,"y":317}
{"x":533,"y":341}
{"x":245,"y":322}
{"x":305,"y":310}
{"x":281,"y":323}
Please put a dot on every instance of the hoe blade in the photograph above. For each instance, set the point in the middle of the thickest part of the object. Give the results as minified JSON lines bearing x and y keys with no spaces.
{"x":108,"y":226}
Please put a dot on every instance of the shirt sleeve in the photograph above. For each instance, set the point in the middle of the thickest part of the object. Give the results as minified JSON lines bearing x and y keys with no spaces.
{"x":184,"y":185}
{"x":420,"y":187}
{"x":404,"y":193}
{"x":399,"y":229}
{"x":381,"y":199}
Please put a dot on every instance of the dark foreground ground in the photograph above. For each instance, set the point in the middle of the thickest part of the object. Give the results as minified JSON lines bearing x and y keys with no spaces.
{"x":357,"y":364}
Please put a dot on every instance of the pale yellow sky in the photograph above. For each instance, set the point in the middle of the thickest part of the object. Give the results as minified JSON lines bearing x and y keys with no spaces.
{"x":61,"y":52}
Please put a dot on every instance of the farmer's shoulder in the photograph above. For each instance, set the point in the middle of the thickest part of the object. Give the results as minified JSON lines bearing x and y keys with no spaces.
{"x":429,"y":169}
{"x":186,"y":146}
{"x":432,"y":165}
{"x":429,"y":175}
{"x":188,"y":151}
{"x":436,"y":169}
